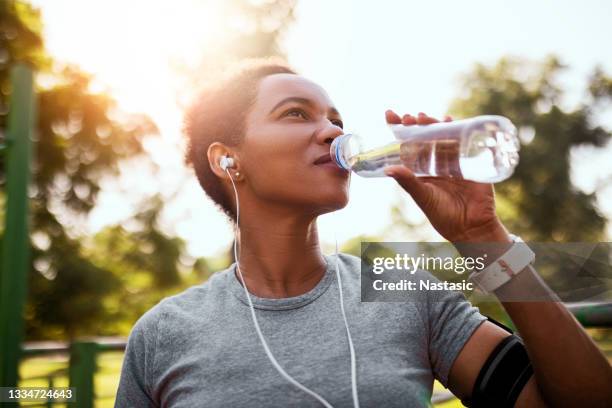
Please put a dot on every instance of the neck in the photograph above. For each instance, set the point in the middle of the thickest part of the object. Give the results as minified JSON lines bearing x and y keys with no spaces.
{"x":279,"y":254}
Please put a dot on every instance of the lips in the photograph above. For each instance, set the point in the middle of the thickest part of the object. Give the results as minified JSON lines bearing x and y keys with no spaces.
{"x":326,"y":158}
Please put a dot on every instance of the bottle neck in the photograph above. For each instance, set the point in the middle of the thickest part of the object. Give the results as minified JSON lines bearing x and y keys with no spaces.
{"x":340,"y":151}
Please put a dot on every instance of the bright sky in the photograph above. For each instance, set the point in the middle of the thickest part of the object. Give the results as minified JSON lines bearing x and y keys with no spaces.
{"x":370,"y":56}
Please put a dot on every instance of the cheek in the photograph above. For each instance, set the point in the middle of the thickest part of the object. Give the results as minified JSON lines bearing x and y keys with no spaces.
{"x":299,"y":185}
{"x":275,"y":164}
{"x":278,"y":166}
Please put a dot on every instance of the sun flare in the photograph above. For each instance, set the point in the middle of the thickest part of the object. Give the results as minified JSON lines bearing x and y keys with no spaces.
{"x":137,"y":50}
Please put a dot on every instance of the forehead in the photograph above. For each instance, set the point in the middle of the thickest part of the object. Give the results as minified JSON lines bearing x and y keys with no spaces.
{"x":277,"y":87}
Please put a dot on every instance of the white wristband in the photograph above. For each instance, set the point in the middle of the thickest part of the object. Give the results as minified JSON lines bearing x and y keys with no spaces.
{"x":505,"y":267}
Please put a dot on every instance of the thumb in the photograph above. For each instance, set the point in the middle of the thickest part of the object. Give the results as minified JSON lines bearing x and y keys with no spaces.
{"x":419,"y":190}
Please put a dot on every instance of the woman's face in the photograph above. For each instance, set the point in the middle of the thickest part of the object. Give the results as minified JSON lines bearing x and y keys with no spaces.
{"x":289,"y":130}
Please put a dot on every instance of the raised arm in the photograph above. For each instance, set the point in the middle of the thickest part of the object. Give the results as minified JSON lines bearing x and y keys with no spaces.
{"x":569,"y":369}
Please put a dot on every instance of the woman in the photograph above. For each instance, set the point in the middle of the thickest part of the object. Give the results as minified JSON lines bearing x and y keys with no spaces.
{"x":200,"y":348}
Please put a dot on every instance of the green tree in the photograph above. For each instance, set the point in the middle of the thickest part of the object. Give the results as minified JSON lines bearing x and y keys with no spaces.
{"x":257,"y":27}
{"x":539,"y":201}
{"x":80,"y":286}
{"x":78,"y":140}
{"x":267,"y":21}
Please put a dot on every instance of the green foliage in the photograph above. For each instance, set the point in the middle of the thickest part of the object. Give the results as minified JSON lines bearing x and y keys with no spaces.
{"x":353,"y":245}
{"x":128,"y":260}
{"x":69,"y":304}
{"x":80,"y":137}
{"x":539,"y":201}
{"x":257,"y":27}
{"x":101,"y":285}
{"x":600,"y":86}
{"x":267,"y":20}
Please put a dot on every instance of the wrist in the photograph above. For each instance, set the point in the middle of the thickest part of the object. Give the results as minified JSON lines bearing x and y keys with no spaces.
{"x":492,"y":231}
{"x":490,"y":240}
{"x":505,"y":267}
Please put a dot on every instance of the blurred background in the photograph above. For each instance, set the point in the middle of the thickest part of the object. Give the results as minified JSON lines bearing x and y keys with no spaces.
{"x":117,"y":221}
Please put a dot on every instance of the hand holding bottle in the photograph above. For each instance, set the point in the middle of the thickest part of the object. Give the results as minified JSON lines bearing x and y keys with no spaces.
{"x":460,"y":210}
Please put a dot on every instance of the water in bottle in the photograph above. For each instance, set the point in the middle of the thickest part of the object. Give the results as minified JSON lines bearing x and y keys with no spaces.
{"x":483,"y":149}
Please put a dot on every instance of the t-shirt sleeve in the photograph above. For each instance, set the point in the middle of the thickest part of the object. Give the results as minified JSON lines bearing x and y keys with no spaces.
{"x":451,"y":320}
{"x":134,"y":386}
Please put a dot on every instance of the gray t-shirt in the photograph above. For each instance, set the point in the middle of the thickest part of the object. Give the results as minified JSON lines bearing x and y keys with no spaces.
{"x":200,"y":349}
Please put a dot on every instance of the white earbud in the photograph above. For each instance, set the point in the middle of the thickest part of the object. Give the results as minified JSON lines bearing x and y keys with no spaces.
{"x":226,"y":162}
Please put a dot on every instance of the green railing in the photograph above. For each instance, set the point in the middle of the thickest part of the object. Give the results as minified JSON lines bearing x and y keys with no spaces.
{"x":592,"y":314}
{"x":80,"y":368}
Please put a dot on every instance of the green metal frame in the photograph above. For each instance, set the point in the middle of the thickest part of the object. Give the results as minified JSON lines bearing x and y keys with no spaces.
{"x":82,"y":366}
{"x":15,"y":244}
{"x":81,"y":372}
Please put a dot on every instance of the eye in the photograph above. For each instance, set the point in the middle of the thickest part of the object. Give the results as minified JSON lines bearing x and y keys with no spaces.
{"x":295,"y":112}
{"x":338,"y":122}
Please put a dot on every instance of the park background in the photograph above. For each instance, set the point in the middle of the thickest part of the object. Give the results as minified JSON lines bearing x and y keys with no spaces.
{"x":118,"y":221}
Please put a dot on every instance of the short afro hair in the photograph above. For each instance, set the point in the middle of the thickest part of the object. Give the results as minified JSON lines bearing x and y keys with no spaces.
{"x":212,"y":118}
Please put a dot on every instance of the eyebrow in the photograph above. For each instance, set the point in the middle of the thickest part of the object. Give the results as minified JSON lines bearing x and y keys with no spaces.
{"x":303,"y":101}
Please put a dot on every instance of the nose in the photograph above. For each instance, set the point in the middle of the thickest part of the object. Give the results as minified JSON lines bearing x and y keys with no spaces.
{"x":329,"y":133}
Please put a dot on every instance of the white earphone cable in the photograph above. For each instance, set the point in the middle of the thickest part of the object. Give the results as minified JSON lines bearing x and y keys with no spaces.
{"x":348,"y":335}
{"x":254,"y":317}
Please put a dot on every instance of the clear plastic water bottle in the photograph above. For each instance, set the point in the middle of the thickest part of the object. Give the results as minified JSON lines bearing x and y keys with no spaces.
{"x":482,"y":149}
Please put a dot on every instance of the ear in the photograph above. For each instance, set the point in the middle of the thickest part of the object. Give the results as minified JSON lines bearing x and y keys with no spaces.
{"x":216,"y":151}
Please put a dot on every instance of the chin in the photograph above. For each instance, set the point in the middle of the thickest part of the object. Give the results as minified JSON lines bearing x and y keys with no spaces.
{"x":333,"y":202}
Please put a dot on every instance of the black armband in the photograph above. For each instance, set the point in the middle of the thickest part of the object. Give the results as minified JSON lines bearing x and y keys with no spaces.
{"x":503,"y":375}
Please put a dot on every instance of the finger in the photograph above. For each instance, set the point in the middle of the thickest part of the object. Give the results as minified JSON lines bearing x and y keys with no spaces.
{"x":392,"y":117}
{"x":423,"y":119}
{"x":408,"y":119}
{"x":448,"y":118}
{"x":420,"y":192}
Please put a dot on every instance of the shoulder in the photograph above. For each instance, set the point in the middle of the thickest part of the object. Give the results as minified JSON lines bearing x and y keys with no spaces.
{"x":349,"y":267}
{"x":350,"y":263}
{"x":193,"y":301}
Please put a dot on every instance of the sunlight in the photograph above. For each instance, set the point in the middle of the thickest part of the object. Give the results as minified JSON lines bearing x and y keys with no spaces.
{"x":148,"y":56}
{"x":135,"y":48}
{"x":144,"y":54}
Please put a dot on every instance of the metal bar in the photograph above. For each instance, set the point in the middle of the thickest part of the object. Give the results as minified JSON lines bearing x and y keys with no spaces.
{"x":50,"y":384}
{"x":119,"y":346}
{"x":37,"y":348}
{"x":596,"y":314}
{"x":82,"y":371}
{"x":15,"y":251}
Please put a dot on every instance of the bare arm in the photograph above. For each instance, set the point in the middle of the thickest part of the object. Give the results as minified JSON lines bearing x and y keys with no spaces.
{"x":569,"y":369}
{"x":470,"y":360}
